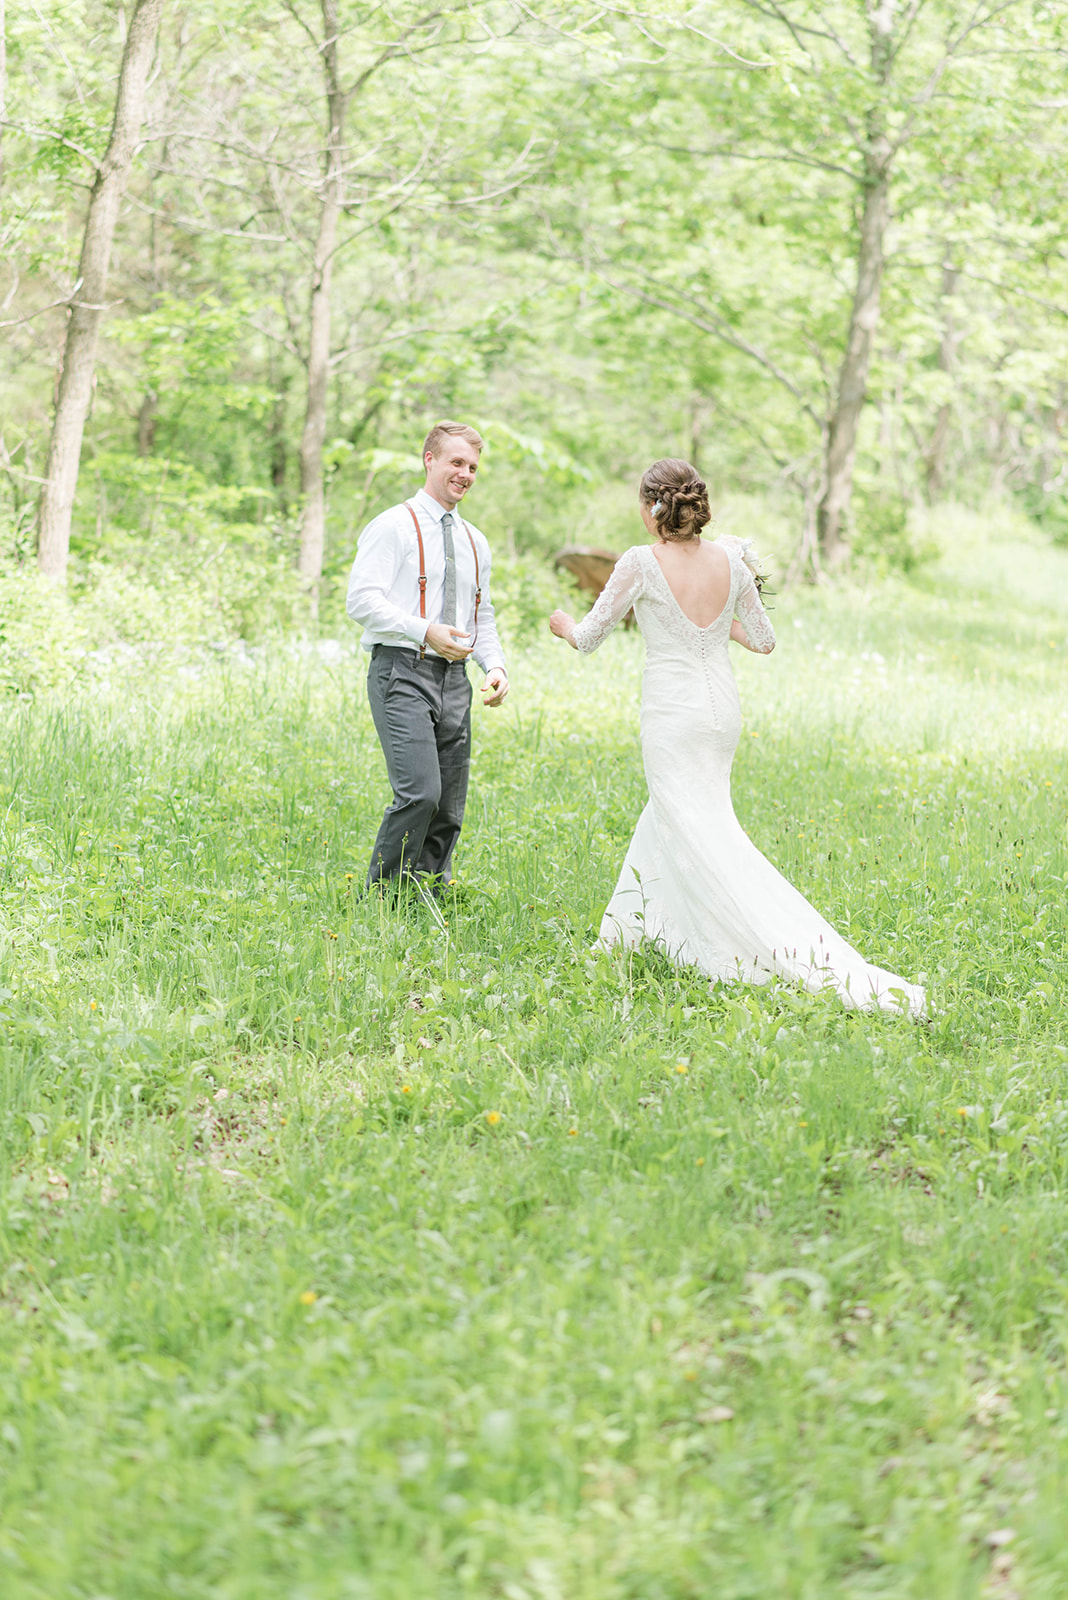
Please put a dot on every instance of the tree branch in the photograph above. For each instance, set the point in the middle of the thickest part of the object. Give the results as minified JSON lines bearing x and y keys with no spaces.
{"x":795,"y":30}
{"x":32,"y":132}
{"x":67,"y":299}
{"x":793,"y":156}
{"x":708,"y":323}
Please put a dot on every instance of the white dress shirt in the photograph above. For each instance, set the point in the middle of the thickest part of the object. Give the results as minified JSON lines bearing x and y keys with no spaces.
{"x":383,"y":592}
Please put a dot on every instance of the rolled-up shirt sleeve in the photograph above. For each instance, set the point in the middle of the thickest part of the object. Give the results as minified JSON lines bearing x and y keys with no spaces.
{"x":374,"y":574}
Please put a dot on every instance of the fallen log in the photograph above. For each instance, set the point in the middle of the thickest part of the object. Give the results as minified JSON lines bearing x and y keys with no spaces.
{"x":591,"y":569}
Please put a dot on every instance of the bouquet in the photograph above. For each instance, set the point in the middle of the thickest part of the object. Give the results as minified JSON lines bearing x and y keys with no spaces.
{"x":755,"y":563}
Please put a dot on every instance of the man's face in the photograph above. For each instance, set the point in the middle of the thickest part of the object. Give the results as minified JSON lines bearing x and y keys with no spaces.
{"x":450,"y":474}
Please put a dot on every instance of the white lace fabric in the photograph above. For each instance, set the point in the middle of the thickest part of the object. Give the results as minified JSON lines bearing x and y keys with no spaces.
{"x":692,"y":881}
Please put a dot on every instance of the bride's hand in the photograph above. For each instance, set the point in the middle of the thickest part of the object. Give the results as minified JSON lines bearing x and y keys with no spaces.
{"x":563,"y":626}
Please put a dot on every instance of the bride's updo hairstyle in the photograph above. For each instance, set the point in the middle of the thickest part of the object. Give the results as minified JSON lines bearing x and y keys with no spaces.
{"x":677,"y":498}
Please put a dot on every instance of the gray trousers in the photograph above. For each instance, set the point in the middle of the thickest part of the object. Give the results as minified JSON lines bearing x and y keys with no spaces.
{"x":422,"y":715}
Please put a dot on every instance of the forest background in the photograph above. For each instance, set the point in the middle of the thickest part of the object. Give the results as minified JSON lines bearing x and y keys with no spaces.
{"x":348,"y":1251}
{"x":817,"y":248}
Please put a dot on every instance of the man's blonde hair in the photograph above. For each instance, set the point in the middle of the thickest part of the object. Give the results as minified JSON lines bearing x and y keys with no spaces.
{"x":441,"y":432}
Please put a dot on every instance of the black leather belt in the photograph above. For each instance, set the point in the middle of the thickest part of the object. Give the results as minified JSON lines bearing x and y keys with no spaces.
{"x":413,"y":655}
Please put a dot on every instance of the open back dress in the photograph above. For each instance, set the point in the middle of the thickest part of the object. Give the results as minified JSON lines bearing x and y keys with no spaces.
{"x":692,"y":882}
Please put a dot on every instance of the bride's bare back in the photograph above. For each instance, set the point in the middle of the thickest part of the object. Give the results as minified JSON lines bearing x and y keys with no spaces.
{"x":698,"y":574}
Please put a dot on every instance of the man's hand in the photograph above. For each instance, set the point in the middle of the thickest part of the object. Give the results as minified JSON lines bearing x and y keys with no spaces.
{"x":495,"y":687}
{"x":450,"y":643}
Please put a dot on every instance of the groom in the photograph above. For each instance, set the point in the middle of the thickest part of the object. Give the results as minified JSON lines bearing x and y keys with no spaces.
{"x":420,"y":591}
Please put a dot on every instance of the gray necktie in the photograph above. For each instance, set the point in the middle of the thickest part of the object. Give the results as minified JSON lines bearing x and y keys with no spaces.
{"x":448,"y":610}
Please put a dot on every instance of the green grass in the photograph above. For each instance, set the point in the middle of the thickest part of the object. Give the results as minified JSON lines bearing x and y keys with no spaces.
{"x":349,"y":1256}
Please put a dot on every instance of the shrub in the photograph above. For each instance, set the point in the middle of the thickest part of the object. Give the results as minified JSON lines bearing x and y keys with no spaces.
{"x":210,"y":593}
{"x":886,"y":537}
{"x":40,"y":632}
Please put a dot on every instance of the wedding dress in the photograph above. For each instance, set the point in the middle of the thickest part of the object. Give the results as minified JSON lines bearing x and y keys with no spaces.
{"x":692,"y":882}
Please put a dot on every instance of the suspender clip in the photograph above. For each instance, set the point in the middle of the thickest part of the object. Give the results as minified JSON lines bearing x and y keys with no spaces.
{"x":422,"y":574}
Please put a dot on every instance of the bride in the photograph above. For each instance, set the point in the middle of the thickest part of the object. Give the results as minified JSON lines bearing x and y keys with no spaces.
{"x":692,"y":882}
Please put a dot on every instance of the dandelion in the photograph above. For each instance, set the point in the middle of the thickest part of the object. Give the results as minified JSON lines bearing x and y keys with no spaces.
{"x":802,"y":1123}
{"x":406,"y":1088}
{"x":298,"y":1019}
{"x":572,"y":1133}
{"x":700,"y":1161}
{"x":680,"y":1066}
{"x":309,"y":1297}
{"x":962,"y":1111}
{"x":493,"y":1117}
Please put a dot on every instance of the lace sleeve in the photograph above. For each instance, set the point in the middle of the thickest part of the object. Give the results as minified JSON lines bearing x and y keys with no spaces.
{"x":749,"y":610}
{"x":612,"y":604}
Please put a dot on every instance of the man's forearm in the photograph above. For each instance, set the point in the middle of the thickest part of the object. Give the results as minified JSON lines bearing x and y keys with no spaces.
{"x":488,"y":652}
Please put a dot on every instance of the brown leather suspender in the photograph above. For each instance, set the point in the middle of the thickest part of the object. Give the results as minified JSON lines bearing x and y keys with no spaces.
{"x":422,"y":574}
{"x":478,"y":581}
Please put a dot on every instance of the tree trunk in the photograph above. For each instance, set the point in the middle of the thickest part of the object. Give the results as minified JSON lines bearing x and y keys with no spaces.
{"x":3,"y":87}
{"x":313,"y":510}
{"x":146,"y":423}
{"x":841,"y":449}
{"x":87,"y":307}
{"x":853,"y":379}
{"x":276,"y":434}
{"x":805,"y":563}
{"x":947,"y":361}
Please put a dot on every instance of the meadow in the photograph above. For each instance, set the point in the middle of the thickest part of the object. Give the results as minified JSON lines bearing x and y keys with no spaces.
{"x":352,"y":1254}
